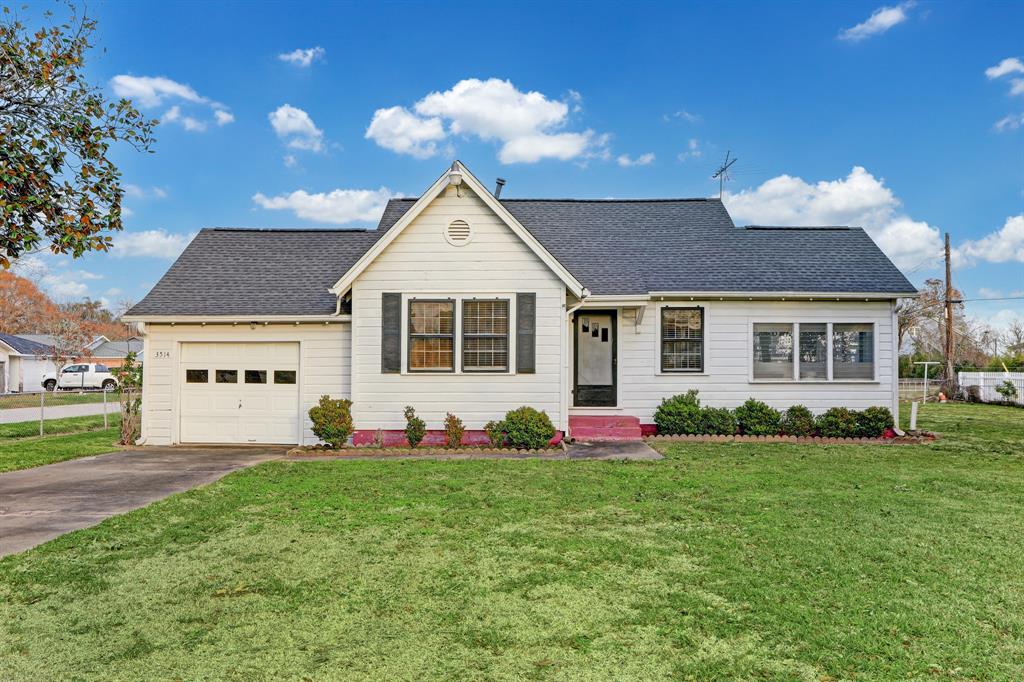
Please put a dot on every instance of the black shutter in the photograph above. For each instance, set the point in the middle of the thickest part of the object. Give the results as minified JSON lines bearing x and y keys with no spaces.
{"x":526,"y":328}
{"x":390,"y":333}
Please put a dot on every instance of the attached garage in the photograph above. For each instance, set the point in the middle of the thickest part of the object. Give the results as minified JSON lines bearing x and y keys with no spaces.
{"x":239,"y":392}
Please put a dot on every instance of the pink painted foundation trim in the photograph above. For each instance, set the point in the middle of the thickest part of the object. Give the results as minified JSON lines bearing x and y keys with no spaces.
{"x":396,"y":437}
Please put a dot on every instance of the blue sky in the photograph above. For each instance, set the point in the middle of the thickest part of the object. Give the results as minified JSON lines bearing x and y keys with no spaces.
{"x":906,"y":119}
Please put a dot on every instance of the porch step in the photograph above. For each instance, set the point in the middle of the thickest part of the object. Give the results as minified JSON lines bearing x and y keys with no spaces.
{"x":604,"y":427}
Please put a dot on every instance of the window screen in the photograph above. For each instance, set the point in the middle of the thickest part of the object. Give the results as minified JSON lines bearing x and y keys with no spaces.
{"x":682,"y":339}
{"x":853,"y":351}
{"x":431,"y":336}
{"x":773,"y":351}
{"x":485,"y":326}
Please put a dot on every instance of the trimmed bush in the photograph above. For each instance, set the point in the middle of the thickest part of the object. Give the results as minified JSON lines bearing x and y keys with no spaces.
{"x":873,"y":422}
{"x":1007,"y":390}
{"x":527,"y":429}
{"x":717,"y":421}
{"x":679,"y":414}
{"x":332,"y":420}
{"x":837,"y":422}
{"x":453,"y":430}
{"x":415,"y":428}
{"x":495,"y":433}
{"x":798,"y":421}
{"x":757,"y":419}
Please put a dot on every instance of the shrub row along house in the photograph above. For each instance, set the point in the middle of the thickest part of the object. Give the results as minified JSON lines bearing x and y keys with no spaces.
{"x":458,"y":301}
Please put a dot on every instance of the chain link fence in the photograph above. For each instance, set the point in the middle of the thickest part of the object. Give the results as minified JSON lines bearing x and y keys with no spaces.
{"x":46,"y":407}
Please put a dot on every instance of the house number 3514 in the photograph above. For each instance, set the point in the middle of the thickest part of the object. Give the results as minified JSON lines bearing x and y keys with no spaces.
{"x":162,"y":354}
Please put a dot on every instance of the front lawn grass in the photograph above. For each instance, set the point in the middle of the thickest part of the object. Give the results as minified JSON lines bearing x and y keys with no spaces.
{"x":24,"y":453}
{"x":724,"y":561}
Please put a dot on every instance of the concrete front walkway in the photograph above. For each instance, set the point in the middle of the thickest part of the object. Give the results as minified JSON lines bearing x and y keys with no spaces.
{"x":37,"y":505}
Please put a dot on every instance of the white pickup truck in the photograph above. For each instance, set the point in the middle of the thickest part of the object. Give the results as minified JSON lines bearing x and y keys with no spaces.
{"x":89,"y":375}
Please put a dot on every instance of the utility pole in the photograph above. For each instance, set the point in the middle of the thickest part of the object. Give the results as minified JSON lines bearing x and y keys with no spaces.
{"x":951,"y":383}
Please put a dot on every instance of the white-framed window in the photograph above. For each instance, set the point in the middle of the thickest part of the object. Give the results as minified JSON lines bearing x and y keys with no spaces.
{"x":813,"y":351}
{"x":458,"y":333}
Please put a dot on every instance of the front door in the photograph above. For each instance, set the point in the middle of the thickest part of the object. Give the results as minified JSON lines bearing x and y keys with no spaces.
{"x":596,"y":358}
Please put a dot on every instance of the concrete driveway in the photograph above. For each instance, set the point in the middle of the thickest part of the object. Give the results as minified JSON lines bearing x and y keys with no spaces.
{"x":37,"y":505}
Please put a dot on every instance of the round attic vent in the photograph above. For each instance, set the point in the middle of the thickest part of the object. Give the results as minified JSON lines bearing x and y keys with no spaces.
{"x":458,"y":233}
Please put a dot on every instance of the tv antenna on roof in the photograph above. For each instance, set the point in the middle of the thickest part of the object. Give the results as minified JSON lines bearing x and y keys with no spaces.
{"x":722,"y":174}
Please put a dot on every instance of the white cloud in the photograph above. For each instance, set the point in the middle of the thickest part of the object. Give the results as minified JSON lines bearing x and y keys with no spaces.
{"x":859,"y":199}
{"x":1002,"y":246}
{"x":643,"y":160}
{"x":527,"y":125}
{"x":985,"y":292}
{"x":51,"y":272}
{"x":150,"y":91}
{"x":399,"y":130}
{"x":339,"y":206}
{"x":693,"y":150}
{"x":296,"y":127}
{"x":1008,"y":123}
{"x":880,"y":21}
{"x":136,"y":192}
{"x":684,"y":115}
{"x":290,"y":161}
{"x":1017,"y":86}
{"x":303,"y":57}
{"x":150,"y":244}
{"x":1004,"y":68}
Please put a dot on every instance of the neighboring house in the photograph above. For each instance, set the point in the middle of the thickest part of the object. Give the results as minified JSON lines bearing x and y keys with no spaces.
{"x":592,"y":310}
{"x":23,"y":363}
{"x":113,"y":353}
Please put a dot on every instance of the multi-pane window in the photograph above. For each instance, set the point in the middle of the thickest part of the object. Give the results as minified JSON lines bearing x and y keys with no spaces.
{"x":431,"y":336}
{"x":485,"y":326}
{"x":850,"y":345}
{"x":853,"y":351}
{"x":682,"y":339}
{"x":773,"y":351}
{"x":813,"y":351}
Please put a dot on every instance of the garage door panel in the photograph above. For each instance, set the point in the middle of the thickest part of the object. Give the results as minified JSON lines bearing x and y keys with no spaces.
{"x":239,"y":412}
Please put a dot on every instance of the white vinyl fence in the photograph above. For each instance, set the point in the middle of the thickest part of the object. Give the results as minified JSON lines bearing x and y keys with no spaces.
{"x":987,"y":382}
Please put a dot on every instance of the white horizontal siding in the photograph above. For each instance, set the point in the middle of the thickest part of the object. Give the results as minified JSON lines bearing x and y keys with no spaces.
{"x":324,"y":367}
{"x":422,"y":262}
{"x":725,"y":381}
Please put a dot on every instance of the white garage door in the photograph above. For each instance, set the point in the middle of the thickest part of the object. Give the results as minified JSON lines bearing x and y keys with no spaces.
{"x":239,"y":393}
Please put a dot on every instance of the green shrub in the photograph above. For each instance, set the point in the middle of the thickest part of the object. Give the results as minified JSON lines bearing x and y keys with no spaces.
{"x":415,"y":428}
{"x":757,"y":419}
{"x":332,"y":420}
{"x":528,"y":429}
{"x":837,"y":422}
{"x":495,"y":433}
{"x":453,"y":430}
{"x":797,"y":421}
{"x":679,"y":414}
{"x":717,"y":421}
{"x":1007,"y":390}
{"x":873,"y":422}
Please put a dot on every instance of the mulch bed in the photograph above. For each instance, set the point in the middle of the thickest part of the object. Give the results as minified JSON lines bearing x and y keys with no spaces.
{"x":909,"y":439}
{"x":374,"y":452}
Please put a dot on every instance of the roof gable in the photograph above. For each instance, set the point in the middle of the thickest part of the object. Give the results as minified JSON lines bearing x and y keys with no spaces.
{"x":457,"y":173}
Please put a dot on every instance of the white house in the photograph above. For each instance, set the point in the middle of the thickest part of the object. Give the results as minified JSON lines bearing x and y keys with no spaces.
{"x":458,"y":301}
{"x":23,"y":363}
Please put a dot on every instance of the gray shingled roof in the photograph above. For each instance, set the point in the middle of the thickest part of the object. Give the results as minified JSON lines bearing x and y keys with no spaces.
{"x":25,"y":346}
{"x":611,"y":246}
{"x":257,"y":272}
